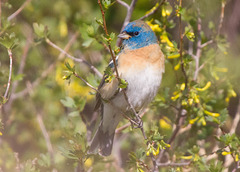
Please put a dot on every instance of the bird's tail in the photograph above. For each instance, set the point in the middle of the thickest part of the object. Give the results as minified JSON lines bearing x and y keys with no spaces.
{"x":102,"y":142}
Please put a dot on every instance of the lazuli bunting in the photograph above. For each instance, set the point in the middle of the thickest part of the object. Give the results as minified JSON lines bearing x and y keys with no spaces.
{"x":141,"y":63}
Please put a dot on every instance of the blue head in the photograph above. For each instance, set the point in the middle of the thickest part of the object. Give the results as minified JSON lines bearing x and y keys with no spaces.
{"x":137,"y":34}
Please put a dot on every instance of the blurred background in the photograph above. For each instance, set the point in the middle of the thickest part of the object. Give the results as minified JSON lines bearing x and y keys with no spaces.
{"x":45,"y":116}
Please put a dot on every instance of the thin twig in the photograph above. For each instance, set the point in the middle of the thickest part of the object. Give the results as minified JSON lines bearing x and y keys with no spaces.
{"x":179,"y":121}
{"x":88,"y":84}
{"x":154,"y":11}
{"x":199,"y":49}
{"x":46,"y":137}
{"x":123,"y":4}
{"x":206,"y":43}
{"x":0,"y":14}
{"x":235,"y":121}
{"x":221,"y":17}
{"x":19,"y":10}
{"x":74,"y":58}
{"x":181,"y":45}
{"x":120,"y":129}
{"x":173,"y":164}
{"x":47,"y":71}
{"x":10,"y":73}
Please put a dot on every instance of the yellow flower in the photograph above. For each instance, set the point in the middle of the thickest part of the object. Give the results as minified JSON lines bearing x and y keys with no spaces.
{"x":173,"y":56}
{"x":154,"y":27}
{"x":236,"y":158}
{"x":202,"y":119}
{"x":182,"y":87}
{"x":211,"y":113}
{"x":224,"y":153}
{"x":177,"y":66}
{"x":63,"y":29}
{"x":186,"y":157}
{"x":190,"y":101}
{"x":164,"y":39}
{"x":192,"y":121}
{"x":153,"y":8}
{"x":0,"y":133}
{"x":88,"y":163}
{"x":175,"y":97}
{"x":221,"y":69}
{"x":165,"y":123}
{"x":205,"y":87}
{"x":75,"y":87}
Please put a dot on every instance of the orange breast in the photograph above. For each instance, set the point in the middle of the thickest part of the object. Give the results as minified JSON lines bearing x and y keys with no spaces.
{"x":141,"y":58}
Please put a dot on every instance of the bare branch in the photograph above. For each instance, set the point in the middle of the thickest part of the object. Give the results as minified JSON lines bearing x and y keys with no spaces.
{"x":123,"y":4}
{"x":181,"y":45}
{"x":173,"y":164}
{"x":179,"y":122}
{"x":74,"y":58}
{"x":47,"y":71}
{"x":46,"y":136}
{"x":76,"y":75}
{"x":235,"y":121}
{"x":199,"y":49}
{"x":120,"y":129}
{"x":154,"y":11}
{"x":0,"y":13}
{"x":221,"y":17}
{"x":206,"y":43}
{"x":10,"y":73}
{"x":19,"y":10}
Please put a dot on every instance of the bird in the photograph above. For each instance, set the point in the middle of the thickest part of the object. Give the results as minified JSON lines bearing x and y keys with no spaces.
{"x":140,"y":63}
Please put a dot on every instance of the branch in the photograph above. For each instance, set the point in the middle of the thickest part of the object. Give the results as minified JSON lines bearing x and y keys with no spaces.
{"x":173,"y":164}
{"x":88,"y":84}
{"x":10,"y":73}
{"x":206,"y":43}
{"x":123,"y":4}
{"x":199,"y":49}
{"x":235,"y":121}
{"x":74,"y":58}
{"x":46,"y":136}
{"x":221,"y":17}
{"x":179,"y":121}
{"x":47,"y":71}
{"x":0,"y":14}
{"x":127,"y":18}
{"x":153,"y":11}
{"x":120,"y":129}
{"x":181,"y":45}
{"x":19,"y":10}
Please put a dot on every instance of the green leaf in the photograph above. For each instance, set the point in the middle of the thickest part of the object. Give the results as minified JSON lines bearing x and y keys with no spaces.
{"x":123,"y":83}
{"x":87,"y":42}
{"x":74,"y":114}
{"x":106,"y":3}
{"x":44,"y":160}
{"x":112,"y":36}
{"x":9,"y":41}
{"x":90,"y":31}
{"x":68,"y":102}
{"x":68,"y":66}
{"x":40,"y":30}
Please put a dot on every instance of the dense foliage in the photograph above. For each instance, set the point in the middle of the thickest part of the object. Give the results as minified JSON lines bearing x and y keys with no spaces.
{"x":58,"y":51}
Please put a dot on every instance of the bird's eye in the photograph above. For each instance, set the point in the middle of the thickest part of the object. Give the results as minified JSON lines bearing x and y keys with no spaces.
{"x":136,"y":33}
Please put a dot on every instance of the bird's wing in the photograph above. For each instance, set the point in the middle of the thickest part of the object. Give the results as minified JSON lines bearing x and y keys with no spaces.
{"x":107,"y":90}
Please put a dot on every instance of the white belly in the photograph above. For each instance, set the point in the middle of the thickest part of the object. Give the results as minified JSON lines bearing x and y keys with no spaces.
{"x":142,"y":88}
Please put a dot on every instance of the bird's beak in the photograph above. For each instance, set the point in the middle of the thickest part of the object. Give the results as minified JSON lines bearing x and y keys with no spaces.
{"x":124,"y":35}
